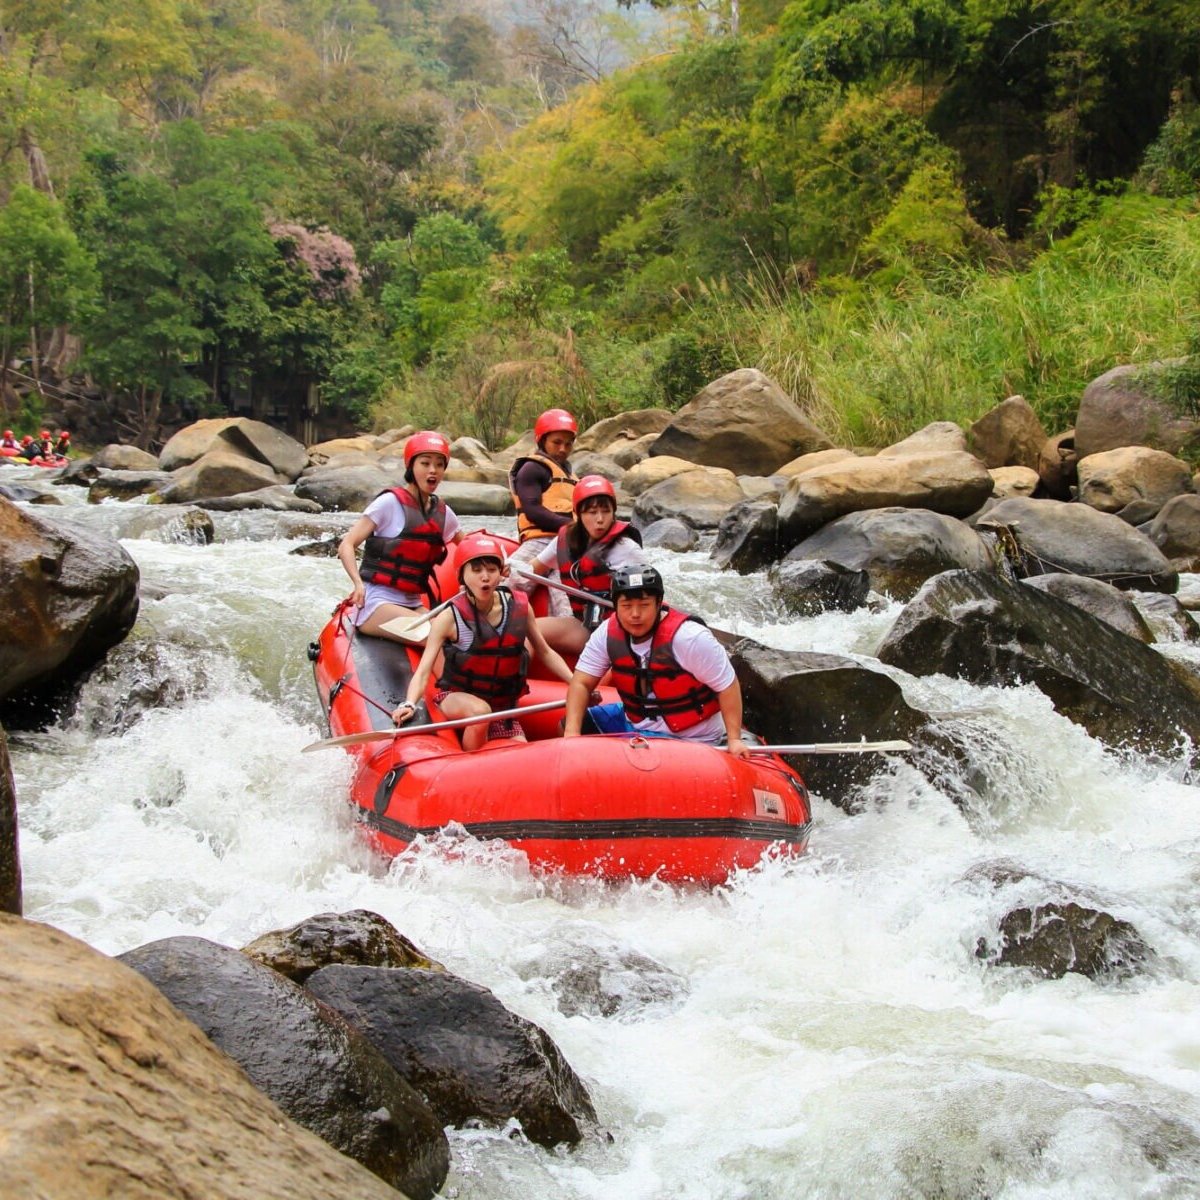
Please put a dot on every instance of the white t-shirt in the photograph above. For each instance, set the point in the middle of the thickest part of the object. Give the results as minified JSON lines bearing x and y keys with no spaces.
{"x":389,"y":517}
{"x":624,"y":552}
{"x":696,"y":651}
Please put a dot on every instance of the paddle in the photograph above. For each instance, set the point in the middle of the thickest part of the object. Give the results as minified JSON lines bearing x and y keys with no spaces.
{"x":834,"y":748}
{"x":578,"y":593}
{"x":381,"y":735}
{"x":404,"y":627}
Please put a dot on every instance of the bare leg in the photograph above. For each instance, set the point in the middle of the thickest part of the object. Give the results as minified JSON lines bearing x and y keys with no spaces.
{"x":386,"y":612}
{"x":463,"y":704}
{"x":564,"y":634}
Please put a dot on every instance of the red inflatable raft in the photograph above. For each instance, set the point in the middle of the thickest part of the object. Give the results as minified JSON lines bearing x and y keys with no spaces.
{"x":617,"y":807}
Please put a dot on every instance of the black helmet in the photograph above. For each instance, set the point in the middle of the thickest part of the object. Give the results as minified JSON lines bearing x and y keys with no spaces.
{"x":636,"y":581}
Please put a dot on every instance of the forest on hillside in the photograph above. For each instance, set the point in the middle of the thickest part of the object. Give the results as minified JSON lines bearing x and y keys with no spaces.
{"x":338,"y":213}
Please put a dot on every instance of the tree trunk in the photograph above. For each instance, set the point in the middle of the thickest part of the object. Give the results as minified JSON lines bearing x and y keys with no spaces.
{"x":35,"y":160}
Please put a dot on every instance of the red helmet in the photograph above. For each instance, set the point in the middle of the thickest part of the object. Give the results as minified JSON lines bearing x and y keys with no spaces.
{"x":44,"y":434}
{"x":62,"y":433}
{"x":552,"y":421}
{"x":592,"y":485}
{"x":8,"y":433}
{"x":478,"y":545}
{"x":26,"y":439}
{"x":428,"y":441}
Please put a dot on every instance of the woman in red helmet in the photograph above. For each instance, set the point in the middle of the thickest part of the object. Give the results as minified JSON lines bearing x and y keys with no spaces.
{"x":406,"y":531}
{"x":482,"y":636}
{"x":63,"y":446}
{"x":585,"y":553}
{"x":542,"y":485}
{"x":9,"y":443}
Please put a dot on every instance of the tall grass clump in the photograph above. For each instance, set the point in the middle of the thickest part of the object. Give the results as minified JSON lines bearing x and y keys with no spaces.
{"x":872,"y":364}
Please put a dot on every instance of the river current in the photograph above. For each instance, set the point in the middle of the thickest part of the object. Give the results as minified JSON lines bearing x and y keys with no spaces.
{"x":832,"y":1032}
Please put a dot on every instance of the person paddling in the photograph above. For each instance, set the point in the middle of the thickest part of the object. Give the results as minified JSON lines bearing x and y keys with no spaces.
{"x":674,"y":678}
{"x":62,"y":447}
{"x":406,"y":531}
{"x":483,"y":634}
{"x":43,"y":448}
{"x":585,"y":553}
{"x":542,"y":486}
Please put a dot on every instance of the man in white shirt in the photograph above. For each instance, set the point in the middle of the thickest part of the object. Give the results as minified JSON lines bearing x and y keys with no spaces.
{"x":674,"y":678}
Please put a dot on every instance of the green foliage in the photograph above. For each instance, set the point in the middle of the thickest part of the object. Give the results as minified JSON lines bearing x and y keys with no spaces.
{"x":689,"y":362}
{"x":1172,"y":163}
{"x":46,"y":277}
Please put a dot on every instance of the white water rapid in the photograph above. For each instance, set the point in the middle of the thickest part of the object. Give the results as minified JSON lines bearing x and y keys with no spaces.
{"x":834,"y":1034}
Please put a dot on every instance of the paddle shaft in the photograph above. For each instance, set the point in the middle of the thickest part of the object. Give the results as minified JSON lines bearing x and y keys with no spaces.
{"x":381,"y":735}
{"x":578,"y":593}
{"x":835,"y":748}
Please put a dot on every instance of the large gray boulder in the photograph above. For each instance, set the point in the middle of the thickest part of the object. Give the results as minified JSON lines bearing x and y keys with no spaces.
{"x":477,"y":499}
{"x":747,"y":537}
{"x":358,"y":938}
{"x":1009,"y":435}
{"x":1103,"y":601}
{"x":976,"y":626}
{"x":1135,"y":406}
{"x":1049,"y":536}
{"x":254,"y":440}
{"x":322,"y":1073}
{"x":1058,"y":466}
{"x":792,"y":697}
{"x":107,"y":1090}
{"x":899,"y":548}
{"x":220,"y":472}
{"x":954,"y":483}
{"x":462,"y":1049}
{"x":744,"y":422}
{"x":118,"y":457}
{"x":622,"y":429}
{"x":938,"y":437}
{"x":69,"y":596}
{"x":348,"y":489}
{"x":1114,"y":479}
{"x":127,"y":485}
{"x":703,"y":496}
{"x":1176,"y":531}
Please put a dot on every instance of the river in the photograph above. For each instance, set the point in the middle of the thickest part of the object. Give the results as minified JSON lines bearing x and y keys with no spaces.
{"x":833,"y":1033}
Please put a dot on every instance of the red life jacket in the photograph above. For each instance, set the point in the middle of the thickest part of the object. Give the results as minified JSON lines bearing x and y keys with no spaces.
{"x":591,"y":571}
{"x":679,"y":697}
{"x":407,"y":561}
{"x":495,"y":666}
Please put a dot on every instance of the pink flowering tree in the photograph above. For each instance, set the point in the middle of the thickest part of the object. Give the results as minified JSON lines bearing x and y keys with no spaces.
{"x":328,"y":259}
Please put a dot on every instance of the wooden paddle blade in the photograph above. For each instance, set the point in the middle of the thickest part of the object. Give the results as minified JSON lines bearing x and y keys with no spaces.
{"x":414,"y":629}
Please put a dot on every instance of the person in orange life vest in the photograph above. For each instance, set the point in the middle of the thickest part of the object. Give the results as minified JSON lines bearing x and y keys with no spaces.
{"x":63,"y":446}
{"x":482,"y":637}
{"x":406,"y":531}
{"x":8,"y":442}
{"x":674,"y":678}
{"x":542,"y":484}
{"x":585,"y":553}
